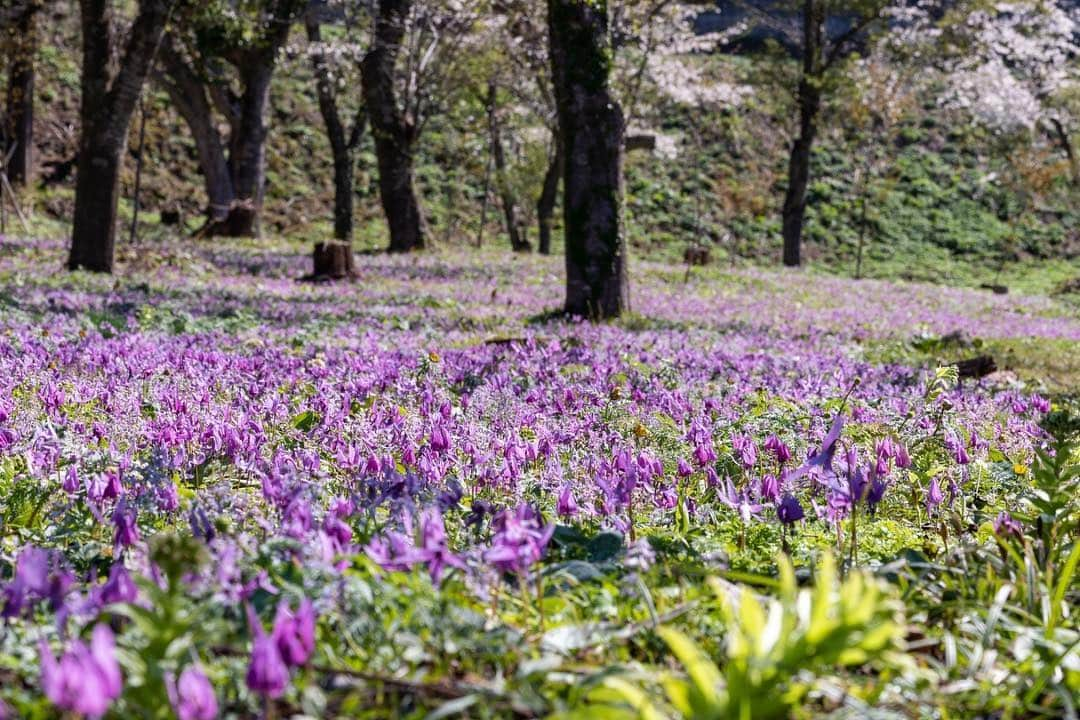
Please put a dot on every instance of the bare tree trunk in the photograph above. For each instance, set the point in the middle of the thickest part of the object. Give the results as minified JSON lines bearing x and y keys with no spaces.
{"x":545,"y":205}
{"x":794,"y":211}
{"x":591,"y":128}
{"x":247,"y":155}
{"x":20,"y":93}
{"x":506,"y":195}
{"x":1062,"y":136}
{"x":341,"y":145}
{"x":394,"y":133}
{"x":106,"y":108}
{"x":235,"y":186}
{"x":188,"y":95}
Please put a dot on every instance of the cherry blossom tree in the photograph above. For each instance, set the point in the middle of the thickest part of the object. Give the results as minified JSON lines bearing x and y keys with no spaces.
{"x":1016,"y":67}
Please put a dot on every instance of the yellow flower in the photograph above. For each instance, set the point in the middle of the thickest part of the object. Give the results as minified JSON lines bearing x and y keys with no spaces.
{"x":1020,"y":469}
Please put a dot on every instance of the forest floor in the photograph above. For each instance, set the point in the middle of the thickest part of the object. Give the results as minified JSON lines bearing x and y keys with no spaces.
{"x":424,"y":451}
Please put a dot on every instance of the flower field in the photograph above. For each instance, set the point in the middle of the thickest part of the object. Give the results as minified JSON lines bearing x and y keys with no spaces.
{"x":226,"y":493}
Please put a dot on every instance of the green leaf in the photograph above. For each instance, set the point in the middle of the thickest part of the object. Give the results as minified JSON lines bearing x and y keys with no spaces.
{"x":635,"y":697}
{"x":604,"y":546}
{"x":305,"y":420}
{"x":704,"y":675}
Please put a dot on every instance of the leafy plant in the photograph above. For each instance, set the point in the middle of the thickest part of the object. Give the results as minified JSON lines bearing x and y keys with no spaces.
{"x":775,"y":648}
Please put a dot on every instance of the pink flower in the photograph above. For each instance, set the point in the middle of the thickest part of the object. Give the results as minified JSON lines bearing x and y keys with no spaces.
{"x":86,"y":679}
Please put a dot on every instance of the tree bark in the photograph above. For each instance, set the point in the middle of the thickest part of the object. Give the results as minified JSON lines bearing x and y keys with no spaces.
{"x":518,"y":243}
{"x":23,"y":42}
{"x":188,"y":95}
{"x":1062,"y":136}
{"x":809,"y":98}
{"x":394,"y":133}
{"x":341,"y":145}
{"x":591,"y":129}
{"x":107,"y":105}
{"x":236,"y":184}
{"x":545,"y":205}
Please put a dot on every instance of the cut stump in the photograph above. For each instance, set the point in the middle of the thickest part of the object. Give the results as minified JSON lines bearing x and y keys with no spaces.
{"x":332,"y":260}
{"x":976,"y":367}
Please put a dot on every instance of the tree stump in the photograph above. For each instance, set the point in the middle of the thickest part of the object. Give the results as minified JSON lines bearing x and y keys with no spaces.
{"x":697,"y":255}
{"x":333,"y":261}
{"x":976,"y":367}
{"x":170,"y":216}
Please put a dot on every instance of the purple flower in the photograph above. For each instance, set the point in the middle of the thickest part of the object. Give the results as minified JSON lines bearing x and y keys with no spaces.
{"x":394,"y":551}
{"x":86,"y":679}
{"x":71,"y":482}
{"x":956,"y":447}
{"x":704,"y":454}
{"x":738,"y":501}
{"x":789,"y":510}
{"x":769,"y":489}
{"x":440,"y":439}
{"x":779,"y":450}
{"x":31,"y":581}
{"x":567,"y":506}
{"x":192,"y":696}
{"x":745,"y":450}
{"x":1006,"y":524}
{"x":934,"y":496}
{"x":433,"y":549}
{"x":520,"y":539}
{"x":294,"y":632}
{"x":876,"y":493}
{"x":267,"y":673}
{"x":119,"y":588}
{"x":127,"y":529}
{"x":824,"y":457}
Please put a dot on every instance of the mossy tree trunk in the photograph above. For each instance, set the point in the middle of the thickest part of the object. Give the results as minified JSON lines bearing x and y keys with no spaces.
{"x":591,"y":131}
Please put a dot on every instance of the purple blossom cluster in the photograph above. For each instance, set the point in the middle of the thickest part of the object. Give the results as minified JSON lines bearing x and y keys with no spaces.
{"x":414,"y":419}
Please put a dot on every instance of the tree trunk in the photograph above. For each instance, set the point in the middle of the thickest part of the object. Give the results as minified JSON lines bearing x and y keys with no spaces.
{"x":107,"y":105}
{"x":809,"y":98}
{"x":394,"y":133}
{"x":20,"y":94}
{"x":341,"y":147}
{"x":518,"y":243}
{"x":188,"y":95}
{"x":1063,"y":139}
{"x":235,"y":186}
{"x":591,"y":128}
{"x":247,"y":154}
{"x":545,"y":205}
